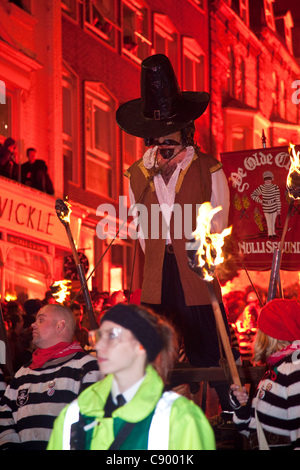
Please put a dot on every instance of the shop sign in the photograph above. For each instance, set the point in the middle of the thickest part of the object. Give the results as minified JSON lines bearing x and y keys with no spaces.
{"x":32,"y":214}
{"x":24,"y":243}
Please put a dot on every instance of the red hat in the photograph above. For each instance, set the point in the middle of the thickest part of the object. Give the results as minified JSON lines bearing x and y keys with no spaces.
{"x":280,"y":319}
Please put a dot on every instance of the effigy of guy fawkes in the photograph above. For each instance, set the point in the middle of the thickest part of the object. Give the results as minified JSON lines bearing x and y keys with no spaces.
{"x":174,"y":174}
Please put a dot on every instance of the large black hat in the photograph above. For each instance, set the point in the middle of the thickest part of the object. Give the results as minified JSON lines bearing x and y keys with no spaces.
{"x":163,"y":108}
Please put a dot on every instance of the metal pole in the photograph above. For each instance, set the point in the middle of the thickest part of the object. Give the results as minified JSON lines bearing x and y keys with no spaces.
{"x":7,"y":365}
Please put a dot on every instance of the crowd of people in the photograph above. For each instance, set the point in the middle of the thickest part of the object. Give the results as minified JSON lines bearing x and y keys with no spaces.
{"x":19,"y":317}
{"x":33,"y":172}
{"x":54,"y":353}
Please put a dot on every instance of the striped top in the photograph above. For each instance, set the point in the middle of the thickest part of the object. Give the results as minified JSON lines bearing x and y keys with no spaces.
{"x":277,"y":401}
{"x":35,"y":397}
{"x":2,"y":384}
{"x":269,"y":196}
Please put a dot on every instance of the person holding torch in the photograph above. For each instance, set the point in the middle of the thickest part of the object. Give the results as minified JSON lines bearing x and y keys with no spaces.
{"x":272,"y":419}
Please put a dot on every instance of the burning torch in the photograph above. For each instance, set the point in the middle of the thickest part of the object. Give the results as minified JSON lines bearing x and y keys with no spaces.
{"x":61,"y":290}
{"x":203,"y":262}
{"x":63,"y":211}
{"x":293,"y":190}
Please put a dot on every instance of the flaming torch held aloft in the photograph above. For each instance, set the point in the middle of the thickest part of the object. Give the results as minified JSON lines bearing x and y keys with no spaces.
{"x":203,"y":261}
{"x":293,"y":190}
{"x":293,"y":178}
{"x":61,"y":290}
{"x":63,"y":212}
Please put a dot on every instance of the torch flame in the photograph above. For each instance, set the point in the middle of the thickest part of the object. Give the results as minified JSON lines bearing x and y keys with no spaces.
{"x":60,"y":290}
{"x":64,"y":215}
{"x":293,"y":178}
{"x":209,"y":251}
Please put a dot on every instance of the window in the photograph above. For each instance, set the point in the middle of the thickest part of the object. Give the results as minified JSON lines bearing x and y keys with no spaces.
{"x":70,"y":126}
{"x":244,"y":11}
{"x":133,"y":149}
{"x":284,"y":25}
{"x":70,"y":8}
{"x":135,"y":37}
{"x":121,"y":267}
{"x":193,"y":66}
{"x":238,"y":139}
{"x":5,"y":115}
{"x":231,"y":73}
{"x":100,"y":133}
{"x":24,"y":4}
{"x":166,"y":39}
{"x":9,"y":115}
{"x":275,"y":94}
{"x":101,"y":18}
{"x":282,"y":100}
{"x":242,"y":82}
{"x":26,"y":272}
{"x":269,"y":14}
{"x":198,"y":3}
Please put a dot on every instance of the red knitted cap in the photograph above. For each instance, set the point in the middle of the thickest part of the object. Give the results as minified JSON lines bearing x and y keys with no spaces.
{"x":280,"y":319}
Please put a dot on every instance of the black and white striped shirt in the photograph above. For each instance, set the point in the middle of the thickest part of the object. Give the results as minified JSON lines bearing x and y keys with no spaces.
{"x":277,"y":401}
{"x":35,"y":397}
{"x":269,"y":195}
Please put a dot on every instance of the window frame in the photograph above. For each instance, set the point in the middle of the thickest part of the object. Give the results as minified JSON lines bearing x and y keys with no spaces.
{"x":99,"y":95}
{"x":269,"y":14}
{"x":71,"y":12}
{"x":110,"y":40}
{"x":199,"y":4}
{"x":192,"y":50}
{"x":71,"y":143}
{"x":139,"y":9}
{"x":163,"y":27}
{"x":244,"y":11}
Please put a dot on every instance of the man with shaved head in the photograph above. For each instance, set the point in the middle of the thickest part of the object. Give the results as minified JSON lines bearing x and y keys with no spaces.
{"x":59,"y":370}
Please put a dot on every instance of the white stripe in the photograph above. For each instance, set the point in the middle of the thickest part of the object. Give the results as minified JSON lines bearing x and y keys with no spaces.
{"x":158,"y":438}
{"x":72,"y":416}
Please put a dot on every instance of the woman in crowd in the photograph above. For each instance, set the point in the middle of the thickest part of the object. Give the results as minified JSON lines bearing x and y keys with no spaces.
{"x":128,"y":409}
{"x":272,"y":419}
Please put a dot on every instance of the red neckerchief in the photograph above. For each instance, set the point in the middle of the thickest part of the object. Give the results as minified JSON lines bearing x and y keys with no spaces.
{"x":41,"y":356}
{"x":283,"y":352}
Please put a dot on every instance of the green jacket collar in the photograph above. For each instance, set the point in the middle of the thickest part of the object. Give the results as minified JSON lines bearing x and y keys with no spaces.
{"x":93,"y":399}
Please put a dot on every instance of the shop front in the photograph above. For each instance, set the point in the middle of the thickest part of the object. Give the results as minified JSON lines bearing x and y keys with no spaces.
{"x":33,"y":242}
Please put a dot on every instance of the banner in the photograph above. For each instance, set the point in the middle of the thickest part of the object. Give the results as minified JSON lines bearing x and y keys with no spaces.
{"x":259,"y":203}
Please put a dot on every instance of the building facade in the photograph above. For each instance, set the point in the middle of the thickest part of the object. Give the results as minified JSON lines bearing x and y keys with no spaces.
{"x":254,"y":74}
{"x":66,"y":66}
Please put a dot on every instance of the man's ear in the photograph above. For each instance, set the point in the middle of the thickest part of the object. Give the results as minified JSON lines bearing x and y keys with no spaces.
{"x":60,"y":326}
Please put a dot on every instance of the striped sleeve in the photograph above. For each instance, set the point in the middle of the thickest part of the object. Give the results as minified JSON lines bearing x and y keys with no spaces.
{"x":277,"y":401}
{"x":35,"y":398}
{"x":2,"y":384}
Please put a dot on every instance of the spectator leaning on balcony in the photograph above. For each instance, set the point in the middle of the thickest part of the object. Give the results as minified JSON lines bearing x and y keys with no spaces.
{"x":34,"y":173}
{"x":272,"y":419}
{"x":174,"y":171}
{"x":9,"y":159}
{"x":58,"y":372}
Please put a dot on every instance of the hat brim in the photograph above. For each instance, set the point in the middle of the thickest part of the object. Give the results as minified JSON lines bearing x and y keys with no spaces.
{"x":130,"y":118}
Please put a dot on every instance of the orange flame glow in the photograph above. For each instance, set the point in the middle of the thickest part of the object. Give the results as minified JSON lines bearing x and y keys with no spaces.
{"x":65,"y":216}
{"x":293,"y":178}
{"x":60,"y":290}
{"x":209,"y":251}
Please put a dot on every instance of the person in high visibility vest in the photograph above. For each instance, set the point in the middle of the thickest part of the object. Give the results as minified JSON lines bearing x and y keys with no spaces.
{"x":129,"y":409}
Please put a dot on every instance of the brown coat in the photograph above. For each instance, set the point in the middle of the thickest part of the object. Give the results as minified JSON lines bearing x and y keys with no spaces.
{"x":193,"y":188}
